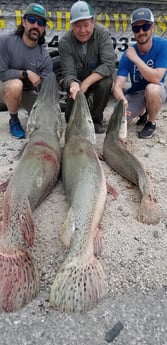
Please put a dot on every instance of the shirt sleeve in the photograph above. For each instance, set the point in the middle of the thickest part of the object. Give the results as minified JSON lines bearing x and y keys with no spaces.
{"x":46,"y":66}
{"x":67,"y":61}
{"x":6,"y":72}
{"x":123,"y":67}
{"x":106,"y":53}
{"x":38,"y":60}
{"x":161,"y":60}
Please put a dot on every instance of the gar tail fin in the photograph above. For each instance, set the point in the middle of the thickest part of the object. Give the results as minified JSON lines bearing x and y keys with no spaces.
{"x":19,"y":281}
{"x":77,"y":287}
{"x":149,"y":212}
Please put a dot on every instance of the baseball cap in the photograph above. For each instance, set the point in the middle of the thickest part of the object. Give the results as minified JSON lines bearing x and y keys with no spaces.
{"x":81,"y":10}
{"x":37,"y":10}
{"x":142,"y":14}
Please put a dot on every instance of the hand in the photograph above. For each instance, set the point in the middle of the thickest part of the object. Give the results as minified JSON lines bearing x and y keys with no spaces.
{"x":126,"y":103}
{"x":74,"y":88}
{"x":131,"y":54}
{"x":128,"y":113}
{"x":34,"y":78}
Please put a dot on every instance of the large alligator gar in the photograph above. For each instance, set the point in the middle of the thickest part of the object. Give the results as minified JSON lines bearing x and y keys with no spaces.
{"x":128,"y":166}
{"x":80,"y":281}
{"x":34,"y":177}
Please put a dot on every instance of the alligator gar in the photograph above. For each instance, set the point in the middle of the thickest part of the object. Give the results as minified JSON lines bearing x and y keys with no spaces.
{"x":80,"y":281}
{"x":33,"y":178}
{"x":128,"y":166}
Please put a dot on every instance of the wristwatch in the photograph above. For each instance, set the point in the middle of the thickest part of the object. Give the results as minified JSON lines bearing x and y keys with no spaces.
{"x":25,"y":75}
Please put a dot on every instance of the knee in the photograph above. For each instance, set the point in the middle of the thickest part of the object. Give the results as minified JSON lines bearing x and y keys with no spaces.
{"x":105,"y":84}
{"x":152,"y":90}
{"x":13,"y":88}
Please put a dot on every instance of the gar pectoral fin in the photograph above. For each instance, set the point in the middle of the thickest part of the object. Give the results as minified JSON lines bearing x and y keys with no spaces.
{"x":68,"y":228}
{"x":26,"y":222}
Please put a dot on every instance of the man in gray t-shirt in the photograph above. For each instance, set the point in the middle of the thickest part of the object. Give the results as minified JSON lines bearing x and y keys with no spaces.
{"x":24,"y":63}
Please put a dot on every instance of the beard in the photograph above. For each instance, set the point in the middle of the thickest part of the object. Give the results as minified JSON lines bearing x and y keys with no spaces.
{"x":143,"y":39}
{"x":33,"y":34}
{"x":142,"y":42}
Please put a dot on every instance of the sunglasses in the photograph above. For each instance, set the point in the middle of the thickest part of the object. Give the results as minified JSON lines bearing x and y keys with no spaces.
{"x":145,"y":27}
{"x":32,"y":20}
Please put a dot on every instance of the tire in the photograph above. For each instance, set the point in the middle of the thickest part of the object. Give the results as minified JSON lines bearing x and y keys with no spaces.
{"x":59,"y":77}
{"x":3,"y":107}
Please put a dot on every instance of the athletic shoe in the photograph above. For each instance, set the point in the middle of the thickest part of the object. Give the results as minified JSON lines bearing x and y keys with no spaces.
{"x":142,"y":119}
{"x":15,"y":129}
{"x":147,"y":131}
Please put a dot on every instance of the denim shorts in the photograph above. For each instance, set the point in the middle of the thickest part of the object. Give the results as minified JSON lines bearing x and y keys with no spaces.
{"x":136,"y":101}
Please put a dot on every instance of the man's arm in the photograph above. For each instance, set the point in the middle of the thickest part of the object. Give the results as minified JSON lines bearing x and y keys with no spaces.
{"x":153,"y":75}
{"x":6,"y":72}
{"x":90,"y":80}
{"x":118,"y":88}
{"x":46,"y":64}
{"x":84,"y":85}
{"x":67,"y":61}
{"x":106,"y":53}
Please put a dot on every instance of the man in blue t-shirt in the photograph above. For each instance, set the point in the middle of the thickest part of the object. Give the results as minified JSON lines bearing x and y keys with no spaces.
{"x":146,"y":63}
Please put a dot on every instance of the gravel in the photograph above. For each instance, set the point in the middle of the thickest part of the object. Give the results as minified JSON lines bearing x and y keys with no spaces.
{"x":134,"y":256}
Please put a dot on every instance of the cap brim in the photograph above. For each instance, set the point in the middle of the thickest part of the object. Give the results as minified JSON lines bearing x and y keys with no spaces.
{"x":35,"y":14}
{"x":146,"y":20}
{"x":77,"y":20}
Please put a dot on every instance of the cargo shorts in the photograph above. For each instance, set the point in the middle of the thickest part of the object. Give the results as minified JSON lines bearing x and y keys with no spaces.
{"x":28,"y":97}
